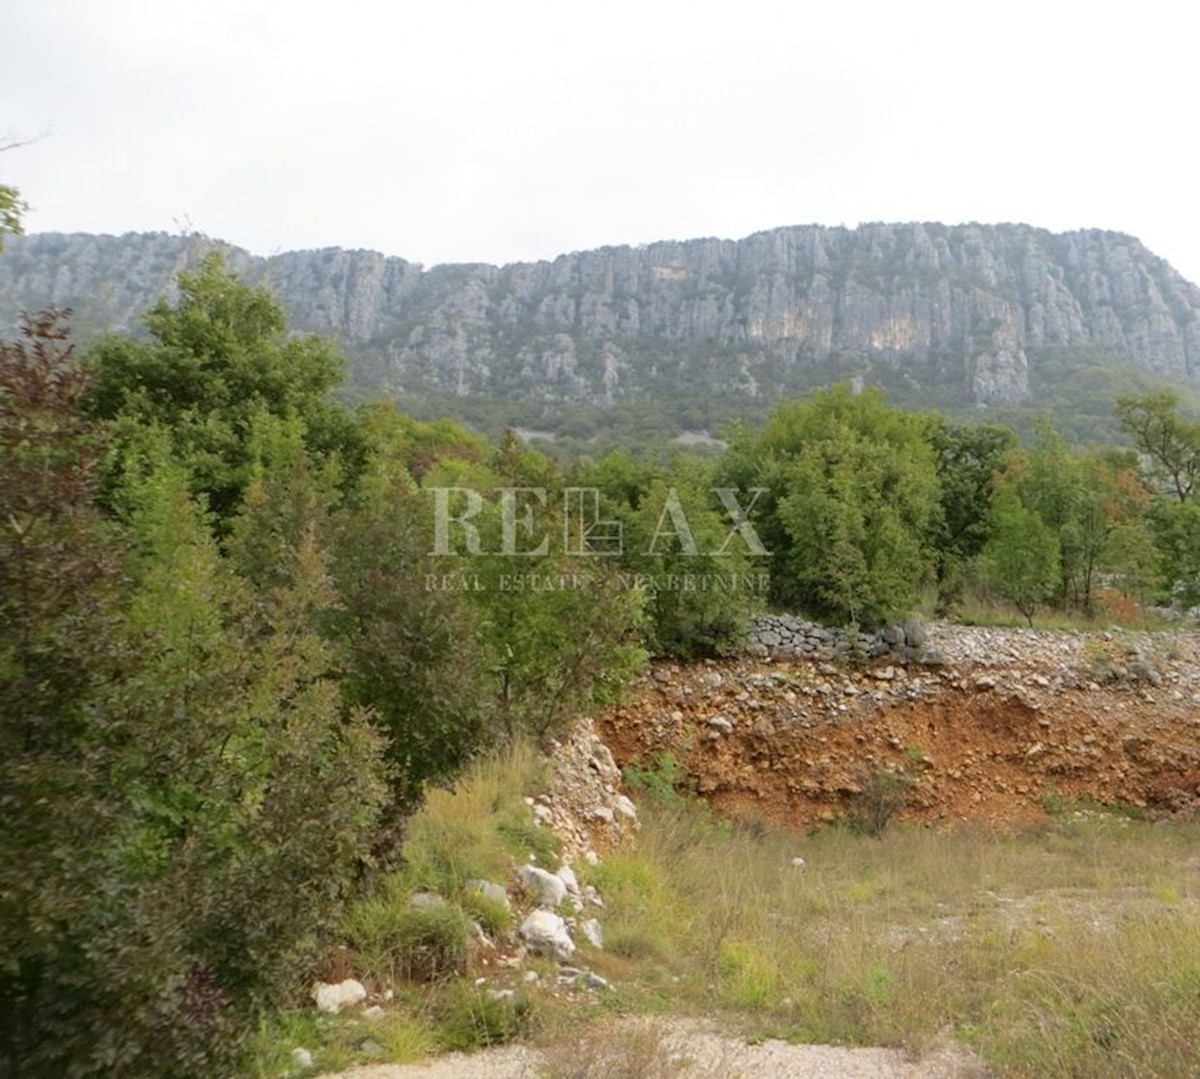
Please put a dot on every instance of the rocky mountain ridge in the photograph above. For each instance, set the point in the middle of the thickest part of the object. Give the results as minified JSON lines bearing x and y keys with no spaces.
{"x":945,"y":313}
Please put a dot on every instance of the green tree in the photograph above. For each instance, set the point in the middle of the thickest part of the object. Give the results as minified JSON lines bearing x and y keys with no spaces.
{"x":852,"y":504}
{"x":969,"y":458}
{"x":219,"y":362}
{"x":12,"y":210}
{"x":559,"y":631}
{"x":1169,"y":439}
{"x":185,"y":797}
{"x":1021,"y":559}
{"x":701,"y":575}
{"x":1175,"y":527}
{"x":412,"y":649}
{"x":1084,"y":497}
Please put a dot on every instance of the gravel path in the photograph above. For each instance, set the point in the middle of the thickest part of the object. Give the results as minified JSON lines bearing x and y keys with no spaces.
{"x":701,"y":1053}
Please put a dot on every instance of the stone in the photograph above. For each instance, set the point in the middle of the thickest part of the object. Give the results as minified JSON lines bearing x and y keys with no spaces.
{"x":799,"y":862}
{"x":592,"y":932}
{"x":331,"y":999}
{"x":374,"y":1013}
{"x":490,"y":891}
{"x":426,"y":900}
{"x":546,"y":934}
{"x":625,"y":807}
{"x":567,"y":875}
{"x":547,"y":889}
{"x":302,"y":1057}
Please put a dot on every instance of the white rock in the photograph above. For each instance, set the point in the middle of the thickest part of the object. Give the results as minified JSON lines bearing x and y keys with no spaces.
{"x":592,"y":932}
{"x":490,"y":891}
{"x":602,"y":813}
{"x":333,"y":998}
{"x":302,"y":1057}
{"x":426,"y":900}
{"x":373,"y":1013}
{"x":591,"y":857}
{"x":625,"y":807}
{"x":567,"y":875}
{"x":547,"y":889}
{"x":543,"y":814}
{"x":799,"y":862}
{"x":546,"y":934}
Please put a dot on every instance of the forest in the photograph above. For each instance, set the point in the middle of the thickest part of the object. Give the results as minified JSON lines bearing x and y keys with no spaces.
{"x":236,"y":652}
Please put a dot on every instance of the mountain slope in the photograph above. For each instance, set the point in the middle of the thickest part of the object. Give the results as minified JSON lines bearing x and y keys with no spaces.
{"x":960,"y":316}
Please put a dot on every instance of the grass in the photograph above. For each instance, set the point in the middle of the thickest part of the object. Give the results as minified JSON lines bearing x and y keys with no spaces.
{"x":976,"y":608}
{"x":1072,"y":949}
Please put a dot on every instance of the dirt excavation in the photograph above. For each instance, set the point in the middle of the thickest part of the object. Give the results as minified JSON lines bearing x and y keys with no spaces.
{"x":1004,"y":726}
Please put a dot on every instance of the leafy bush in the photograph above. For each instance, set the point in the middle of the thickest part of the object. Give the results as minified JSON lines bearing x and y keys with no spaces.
{"x":663,"y":778}
{"x":184,"y":798}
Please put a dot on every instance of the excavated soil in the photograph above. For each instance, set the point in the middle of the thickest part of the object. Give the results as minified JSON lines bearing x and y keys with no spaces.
{"x":1010,"y":724}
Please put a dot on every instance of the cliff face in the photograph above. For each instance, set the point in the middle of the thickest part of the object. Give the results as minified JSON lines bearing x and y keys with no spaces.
{"x":952,"y":312}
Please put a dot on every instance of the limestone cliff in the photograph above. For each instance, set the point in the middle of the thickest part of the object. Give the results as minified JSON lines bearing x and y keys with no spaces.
{"x":948,"y":313}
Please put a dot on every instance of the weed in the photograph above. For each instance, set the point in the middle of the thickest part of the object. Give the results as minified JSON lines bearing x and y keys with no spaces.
{"x":474,"y":1017}
{"x":638,"y":1049}
{"x":394,"y":939}
{"x":662,"y":778}
{"x":883,"y":793}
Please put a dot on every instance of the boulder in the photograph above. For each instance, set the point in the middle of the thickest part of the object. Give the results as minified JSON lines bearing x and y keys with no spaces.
{"x":333,"y":998}
{"x":493,"y":892}
{"x":546,"y":934}
{"x":592,"y":932}
{"x":547,"y":889}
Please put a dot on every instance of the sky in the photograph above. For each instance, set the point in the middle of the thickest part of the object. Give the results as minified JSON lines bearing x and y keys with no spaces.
{"x":462,"y":131}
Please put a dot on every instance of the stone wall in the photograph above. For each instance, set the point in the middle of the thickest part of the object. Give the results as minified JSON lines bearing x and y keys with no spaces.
{"x":785,"y":635}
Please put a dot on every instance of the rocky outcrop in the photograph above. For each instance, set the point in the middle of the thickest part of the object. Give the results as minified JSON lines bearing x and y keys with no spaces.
{"x":961,"y":312}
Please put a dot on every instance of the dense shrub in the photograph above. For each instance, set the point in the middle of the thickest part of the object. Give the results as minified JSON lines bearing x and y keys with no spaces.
{"x":183,"y":797}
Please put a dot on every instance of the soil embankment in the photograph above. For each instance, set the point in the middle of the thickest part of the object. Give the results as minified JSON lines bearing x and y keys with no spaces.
{"x":1012,"y":722}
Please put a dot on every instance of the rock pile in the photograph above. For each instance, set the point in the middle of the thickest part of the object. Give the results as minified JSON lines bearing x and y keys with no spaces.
{"x":584,"y":804}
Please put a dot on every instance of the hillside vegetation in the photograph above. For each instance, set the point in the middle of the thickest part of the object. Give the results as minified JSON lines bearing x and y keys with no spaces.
{"x":249,"y":637}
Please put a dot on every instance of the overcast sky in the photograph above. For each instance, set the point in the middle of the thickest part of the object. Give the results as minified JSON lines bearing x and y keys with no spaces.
{"x":495,"y":131}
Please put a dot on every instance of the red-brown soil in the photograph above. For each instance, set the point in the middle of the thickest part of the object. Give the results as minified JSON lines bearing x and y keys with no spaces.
{"x":997,"y":739}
